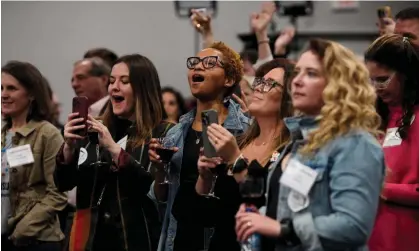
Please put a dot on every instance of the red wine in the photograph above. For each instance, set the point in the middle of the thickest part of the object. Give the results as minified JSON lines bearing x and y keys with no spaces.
{"x":165,"y":154}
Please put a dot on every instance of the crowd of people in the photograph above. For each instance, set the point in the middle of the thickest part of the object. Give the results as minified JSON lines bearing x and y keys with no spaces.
{"x":317,"y":154}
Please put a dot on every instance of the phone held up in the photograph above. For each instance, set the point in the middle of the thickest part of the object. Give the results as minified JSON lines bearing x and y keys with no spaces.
{"x":208,"y":117}
{"x":81,"y":106}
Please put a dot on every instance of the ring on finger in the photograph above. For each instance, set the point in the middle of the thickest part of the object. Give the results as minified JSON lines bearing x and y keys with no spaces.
{"x":249,"y":224}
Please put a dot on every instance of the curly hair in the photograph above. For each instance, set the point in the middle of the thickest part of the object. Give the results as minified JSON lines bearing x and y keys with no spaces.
{"x":400,"y":55}
{"x":232,"y":63}
{"x":349,"y":98}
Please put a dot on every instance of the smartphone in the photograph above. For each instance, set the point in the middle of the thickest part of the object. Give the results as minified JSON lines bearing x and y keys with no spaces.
{"x":384,"y":12}
{"x":208,"y":117}
{"x":81,"y":105}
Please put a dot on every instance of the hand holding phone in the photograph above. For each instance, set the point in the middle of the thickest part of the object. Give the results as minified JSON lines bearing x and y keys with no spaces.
{"x":81,"y":106}
{"x":208,"y":117}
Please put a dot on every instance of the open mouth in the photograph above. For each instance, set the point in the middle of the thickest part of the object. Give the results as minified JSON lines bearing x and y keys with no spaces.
{"x":118,"y":99}
{"x":198,"y":78}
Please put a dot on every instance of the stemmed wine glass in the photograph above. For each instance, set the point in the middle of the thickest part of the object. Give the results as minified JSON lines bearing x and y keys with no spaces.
{"x":94,"y":139}
{"x":165,"y":156}
{"x":215,"y":172}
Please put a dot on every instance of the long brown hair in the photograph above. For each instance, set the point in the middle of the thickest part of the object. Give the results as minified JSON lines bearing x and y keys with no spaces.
{"x":286,"y":109}
{"x":148,"y":109}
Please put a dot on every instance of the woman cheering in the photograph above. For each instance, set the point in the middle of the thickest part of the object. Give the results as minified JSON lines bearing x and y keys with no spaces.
{"x":110,"y":170}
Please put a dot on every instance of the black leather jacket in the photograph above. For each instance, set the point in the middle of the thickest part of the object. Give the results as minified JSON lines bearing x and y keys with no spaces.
{"x":115,"y":200}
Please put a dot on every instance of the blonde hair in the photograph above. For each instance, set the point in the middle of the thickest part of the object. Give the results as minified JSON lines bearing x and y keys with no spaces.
{"x":349,"y":98}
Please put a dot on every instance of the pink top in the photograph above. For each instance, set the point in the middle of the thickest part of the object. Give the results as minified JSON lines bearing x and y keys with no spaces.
{"x":397,"y":223}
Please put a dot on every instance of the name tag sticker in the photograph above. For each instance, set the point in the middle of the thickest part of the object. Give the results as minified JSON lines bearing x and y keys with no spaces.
{"x":392,"y":138}
{"x":19,"y":156}
{"x":297,"y":201}
{"x":298,"y":177}
{"x":82,"y":156}
{"x":123,"y":142}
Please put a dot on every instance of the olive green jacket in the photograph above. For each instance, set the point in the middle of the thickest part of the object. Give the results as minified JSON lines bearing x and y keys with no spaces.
{"x":34,"y":197}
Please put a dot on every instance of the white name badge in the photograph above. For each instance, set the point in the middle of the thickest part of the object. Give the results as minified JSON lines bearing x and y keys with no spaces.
{"x":297,"y":201}
{"x":19,"y":156}
{"x":298,"y":177}
{"x":82,"y":156}
{"x":392,"y":138}
{"x":123,"y":142}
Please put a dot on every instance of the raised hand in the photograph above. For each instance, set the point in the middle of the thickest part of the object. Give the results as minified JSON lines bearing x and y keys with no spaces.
{"x":259,"y":21}
{"x":283,"y":40}
{"x":201,"y":21}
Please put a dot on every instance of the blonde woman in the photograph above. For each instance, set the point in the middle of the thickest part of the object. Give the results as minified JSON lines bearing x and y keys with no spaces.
{"x":334,"y":167}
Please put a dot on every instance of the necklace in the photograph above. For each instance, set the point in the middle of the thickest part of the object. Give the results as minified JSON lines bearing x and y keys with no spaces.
{"x":198,"y":138}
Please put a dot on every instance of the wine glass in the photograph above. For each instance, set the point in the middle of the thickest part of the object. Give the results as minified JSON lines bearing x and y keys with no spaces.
{"x":165,"y":156}
{"x":215,"y":172}
{"x":252,"y":189}
{"x":94,"y":139}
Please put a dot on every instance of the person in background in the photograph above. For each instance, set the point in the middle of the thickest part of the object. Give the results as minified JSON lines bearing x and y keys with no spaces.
{"x":56,"y":106}
{"x":333,"y":156}
{"x":249,"y":57}
{"x":173,"y":103}
{"x":30,"y":200}
{"x":114,"y":191}
{"x":90,"y":78}
{"x":406,"y":23}
{"x":265,"y":138}
{"x":393,"y":62}
{"x":108,"y":56}
{"x":212,"y":76}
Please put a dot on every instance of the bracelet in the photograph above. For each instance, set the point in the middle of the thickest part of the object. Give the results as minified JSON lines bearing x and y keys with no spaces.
{"x":237,"y":159}
{"x":263,"y":42}
{"x":239,"y":165}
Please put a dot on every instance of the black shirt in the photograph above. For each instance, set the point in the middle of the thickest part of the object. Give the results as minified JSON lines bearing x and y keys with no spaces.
{"x":186,"y":206}
{"x":268,"y":244}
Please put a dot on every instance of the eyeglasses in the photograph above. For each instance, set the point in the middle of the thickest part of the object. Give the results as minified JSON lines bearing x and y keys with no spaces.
{"x":382,"y":82}
{"x":208,"y":62}
{"x":264,"y":85}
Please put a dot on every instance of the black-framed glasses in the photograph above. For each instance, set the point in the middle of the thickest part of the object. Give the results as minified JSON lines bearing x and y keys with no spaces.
{"x":207,"y":62}
{"x":264,"y":85}
{"x":382,"y":82}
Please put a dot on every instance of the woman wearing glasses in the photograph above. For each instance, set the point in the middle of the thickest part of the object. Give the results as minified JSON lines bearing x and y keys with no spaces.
{"x":212,"y":75}
{"x":393,"y":63}
{"x":333,"y":169}
{"x":263,"y":142}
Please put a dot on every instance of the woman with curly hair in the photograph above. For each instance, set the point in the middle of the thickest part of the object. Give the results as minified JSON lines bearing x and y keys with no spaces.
{"x":393,"y":63}
{"x":334,"y":166}
{"x":212,"y":75}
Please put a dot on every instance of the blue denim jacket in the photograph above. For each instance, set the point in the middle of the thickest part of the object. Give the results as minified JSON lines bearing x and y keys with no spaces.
{"x":236,"y":122}
{"x":344,"y":198}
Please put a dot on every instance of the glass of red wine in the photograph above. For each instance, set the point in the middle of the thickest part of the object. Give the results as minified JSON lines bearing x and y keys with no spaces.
{"x":165,"y":156}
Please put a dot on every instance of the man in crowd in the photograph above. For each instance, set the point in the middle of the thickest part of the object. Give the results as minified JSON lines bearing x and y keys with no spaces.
{"x":90,"y":78}
{"x":105,"y":54}
{"x":406,"y":23}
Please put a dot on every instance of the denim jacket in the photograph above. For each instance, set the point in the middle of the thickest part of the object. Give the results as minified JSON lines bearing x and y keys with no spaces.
{"x":344,"y":198}
{"x":236,"y":122}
